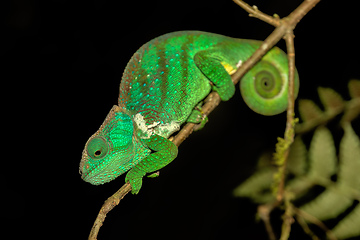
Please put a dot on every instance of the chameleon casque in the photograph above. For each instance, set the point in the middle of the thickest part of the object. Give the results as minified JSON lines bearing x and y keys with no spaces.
{"x":161,"y":86}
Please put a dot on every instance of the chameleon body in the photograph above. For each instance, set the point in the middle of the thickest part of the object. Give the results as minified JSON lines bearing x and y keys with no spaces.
{"x":161,"y":85}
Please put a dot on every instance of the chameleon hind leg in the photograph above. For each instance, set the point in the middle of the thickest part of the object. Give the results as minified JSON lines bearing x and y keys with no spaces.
{"x":164,"y":152}
{"x":214,"y":70}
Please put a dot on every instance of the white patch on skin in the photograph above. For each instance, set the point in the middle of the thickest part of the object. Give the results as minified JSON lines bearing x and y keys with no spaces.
{"x":153,"y":125}
{"x":141,"y":124}
{"x":167,"y":128}
{"x":155,"y":128}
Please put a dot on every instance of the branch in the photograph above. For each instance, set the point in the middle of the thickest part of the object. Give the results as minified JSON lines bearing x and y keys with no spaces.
{"x":283,"y":27}
{"x":263,"y":212}
{"x":289,"y":131}
{"x":306,"y":228}
{"x":108,"y":205}
{"x":302,"y":214}
{"x":288,"y":219}
{"x":255,"y":12}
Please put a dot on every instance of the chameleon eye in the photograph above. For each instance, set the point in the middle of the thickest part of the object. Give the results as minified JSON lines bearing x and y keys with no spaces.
{"x":97,"y":148}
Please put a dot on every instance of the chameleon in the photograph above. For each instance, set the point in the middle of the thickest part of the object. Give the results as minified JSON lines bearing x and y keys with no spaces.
{"x":163,"y":86}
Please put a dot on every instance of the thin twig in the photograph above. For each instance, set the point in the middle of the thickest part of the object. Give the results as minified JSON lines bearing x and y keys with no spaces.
{"x":210,"y":103}
{"x":264,"y":214}
{"x":108,"y":205}
{"x":288,"y":219}
{"x":283,"y":29}
{"x":315,"y":221}
{"x":289,"y":131}
{"x":255,"y":12}
{"x":306,"y":228}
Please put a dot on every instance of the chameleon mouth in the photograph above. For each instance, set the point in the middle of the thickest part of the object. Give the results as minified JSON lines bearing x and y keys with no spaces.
{"x":84,"y":169}
{"x":92,"y":178}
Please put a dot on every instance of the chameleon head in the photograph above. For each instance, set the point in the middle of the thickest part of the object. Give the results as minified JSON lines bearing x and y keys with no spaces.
{"x":112,"y":150}
{"x":265,"y":87}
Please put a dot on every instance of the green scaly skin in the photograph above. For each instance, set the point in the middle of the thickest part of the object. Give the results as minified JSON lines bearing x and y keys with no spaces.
{"x":162,"y":83}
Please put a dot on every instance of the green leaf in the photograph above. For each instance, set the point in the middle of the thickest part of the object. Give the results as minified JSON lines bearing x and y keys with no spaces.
{"x":323,"y":160}
{"x":299,"y":186}
{"x":331,"y":100}
{"x":353,"y":106}
{"x":349,"y":226}
{"x":329,"y":204}
{"x":309,"y":111}
{"x":257,"y":187}
{"x":352,"y":110}
{"x":349,"y":159}
{"x":322,"y":164}
{"x":338,"y":196}
{"x":297,"y":157}
{"x":265,"y":159}
{"x":354,"y":88}
{"x":322,"y":155}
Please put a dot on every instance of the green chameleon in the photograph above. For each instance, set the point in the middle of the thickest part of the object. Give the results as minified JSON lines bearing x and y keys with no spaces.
{"x":161,"y":86}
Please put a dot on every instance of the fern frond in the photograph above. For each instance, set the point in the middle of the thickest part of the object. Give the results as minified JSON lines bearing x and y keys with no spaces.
{"x":257,"y":187}
{"x":299,"y":186}
{"x":309,"y":111}
{"x":329,"y":204}
{"x":349,"y":226}
{"x":352,"y":111}
{"x":336,"y":198}
{"x":331,"y":100}
{"x":349,"y":159}
{"x":322,"y":155}
{"x":354,"y":88}
{"x":353,"y":106}
{"x":321,"y":166}
{"x":297,"y":157}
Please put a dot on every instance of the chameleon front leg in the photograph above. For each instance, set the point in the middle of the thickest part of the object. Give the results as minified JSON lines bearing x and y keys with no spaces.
{"x":197,"y":116}
{"x":212,"y":67}
{"x":164,"y":152}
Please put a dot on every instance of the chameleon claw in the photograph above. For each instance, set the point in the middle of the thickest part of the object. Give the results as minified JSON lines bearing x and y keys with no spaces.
{"x":154,"y":175}
{"x":203,"y":119}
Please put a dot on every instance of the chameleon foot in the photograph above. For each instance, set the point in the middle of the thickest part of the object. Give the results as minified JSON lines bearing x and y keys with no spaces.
{"x":135,"y":181}
{"x":198,"y":116}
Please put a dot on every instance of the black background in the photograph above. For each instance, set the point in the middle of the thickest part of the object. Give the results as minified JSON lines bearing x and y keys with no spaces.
{"x":63,"y":65}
